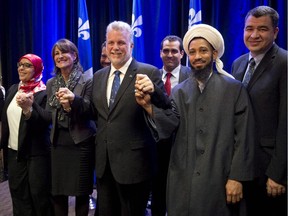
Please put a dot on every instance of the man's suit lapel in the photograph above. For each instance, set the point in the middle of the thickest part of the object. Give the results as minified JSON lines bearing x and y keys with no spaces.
{"x":183,"y":74}
{"x":103,"y":87}
{"x":239,"y":74}
{"x":265,"y":62}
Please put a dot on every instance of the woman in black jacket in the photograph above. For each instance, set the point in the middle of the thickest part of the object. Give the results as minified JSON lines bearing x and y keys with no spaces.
{"x":26,"y":138}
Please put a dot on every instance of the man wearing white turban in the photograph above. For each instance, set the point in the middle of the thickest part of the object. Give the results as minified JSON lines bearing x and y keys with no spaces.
{"x":213,"y":149}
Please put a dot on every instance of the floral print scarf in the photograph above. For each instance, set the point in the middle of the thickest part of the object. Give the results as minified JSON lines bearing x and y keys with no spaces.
{"x":60,"y":83}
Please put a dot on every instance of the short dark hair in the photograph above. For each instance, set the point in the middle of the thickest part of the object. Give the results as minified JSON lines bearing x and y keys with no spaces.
{"x":264,"y":11}
{"x":171,"y":38}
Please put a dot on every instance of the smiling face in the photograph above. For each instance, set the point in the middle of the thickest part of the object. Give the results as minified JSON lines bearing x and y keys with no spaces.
{"x":259,"y":34}
{"x":63,"y":60}
{"x":171,"y":55}
{"x":201,"y":54}
{"x":119,"y":47}
{"x":201,"y":57}
{"x":25,"y":70}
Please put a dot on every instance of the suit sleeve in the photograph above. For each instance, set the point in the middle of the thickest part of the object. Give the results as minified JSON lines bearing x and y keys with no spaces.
{"x":242,"y":166}
{"x":159,"y":97}
{"x":166,"y":121}
{"x":277,"y":169}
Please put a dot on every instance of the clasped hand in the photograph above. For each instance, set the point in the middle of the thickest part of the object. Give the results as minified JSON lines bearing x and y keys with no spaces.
{"x":65,"y":97}
{"x":25,"y":101}
{"x":143,"y":88}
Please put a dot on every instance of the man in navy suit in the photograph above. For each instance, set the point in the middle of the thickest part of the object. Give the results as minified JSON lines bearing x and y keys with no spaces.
{"x":268,"y":92}
{"x":125,"y":149}
{"x":171,"y":53}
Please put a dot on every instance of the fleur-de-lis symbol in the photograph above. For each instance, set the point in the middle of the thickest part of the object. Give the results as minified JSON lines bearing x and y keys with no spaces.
{"x":135,"y":23}
{"x":193,"y":17}
{"x":83,"y":29}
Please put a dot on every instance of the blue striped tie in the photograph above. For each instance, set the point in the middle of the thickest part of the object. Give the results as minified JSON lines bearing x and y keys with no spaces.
{"x":249,"y":72}
{"x":115,"y":87}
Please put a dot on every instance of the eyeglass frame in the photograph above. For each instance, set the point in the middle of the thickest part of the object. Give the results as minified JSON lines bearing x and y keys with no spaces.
{"x":25,"y":65}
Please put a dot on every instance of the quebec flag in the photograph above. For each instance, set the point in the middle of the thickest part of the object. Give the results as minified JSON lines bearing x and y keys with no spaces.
{"x":150,"y":25}
{"x":195,"y":13}
{"x":137,"y":22}
{"x":195,"y":16}
{"x":84,"y":42}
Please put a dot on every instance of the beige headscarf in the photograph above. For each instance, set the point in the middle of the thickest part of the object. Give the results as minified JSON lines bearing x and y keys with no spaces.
{"x":213,"y":36}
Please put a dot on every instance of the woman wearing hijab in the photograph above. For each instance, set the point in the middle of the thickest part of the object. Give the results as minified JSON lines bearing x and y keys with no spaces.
{"x":72,"y":133}
{"x":26,"y":138}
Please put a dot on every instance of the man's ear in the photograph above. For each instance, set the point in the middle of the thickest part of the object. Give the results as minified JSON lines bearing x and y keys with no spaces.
{"x":215,"y":54}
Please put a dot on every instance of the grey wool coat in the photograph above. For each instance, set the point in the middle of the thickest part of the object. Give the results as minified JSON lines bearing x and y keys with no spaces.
{"x":214,"y":143}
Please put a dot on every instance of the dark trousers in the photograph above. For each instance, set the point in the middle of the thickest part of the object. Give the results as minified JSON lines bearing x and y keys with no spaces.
{"x":116,"y":199}
{"x":259,"y":203}
{"x":29,"y":184}
{"x":159,"y":183}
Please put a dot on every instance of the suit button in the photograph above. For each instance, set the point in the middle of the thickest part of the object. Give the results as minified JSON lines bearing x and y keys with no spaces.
{"x":201,"y":109}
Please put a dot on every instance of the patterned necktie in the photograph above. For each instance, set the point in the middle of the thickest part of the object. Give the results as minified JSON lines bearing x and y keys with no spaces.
{"x":168,"y":83}
{"x":249,"y":72}
{"x":115,"y":87}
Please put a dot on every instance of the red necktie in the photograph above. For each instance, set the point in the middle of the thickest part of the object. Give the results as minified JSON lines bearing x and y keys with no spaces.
{"x":168,"y":83}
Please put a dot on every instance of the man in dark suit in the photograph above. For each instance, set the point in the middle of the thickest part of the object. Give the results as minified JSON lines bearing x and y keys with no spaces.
{"x":268,"y":92}
{"x":171,"y":53}
{"x":125,"y":149}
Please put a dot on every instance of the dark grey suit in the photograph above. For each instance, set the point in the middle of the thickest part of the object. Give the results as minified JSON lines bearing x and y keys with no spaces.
{"x":158,"y":202}
{"x":125,"y":147}
{"x":268,"y":92}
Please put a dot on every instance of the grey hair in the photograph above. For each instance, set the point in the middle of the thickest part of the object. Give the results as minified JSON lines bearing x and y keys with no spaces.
{"x":122,"y":27}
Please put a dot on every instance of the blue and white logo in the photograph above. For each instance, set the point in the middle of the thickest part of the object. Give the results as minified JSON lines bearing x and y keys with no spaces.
{"x":83,"y":29}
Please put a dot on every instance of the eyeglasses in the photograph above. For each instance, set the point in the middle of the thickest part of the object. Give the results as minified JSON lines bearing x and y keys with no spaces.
{"x":167,"y":51}
{"x":25,"y":65}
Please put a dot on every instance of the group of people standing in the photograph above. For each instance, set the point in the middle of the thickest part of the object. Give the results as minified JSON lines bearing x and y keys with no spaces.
{"x":198,"y":139}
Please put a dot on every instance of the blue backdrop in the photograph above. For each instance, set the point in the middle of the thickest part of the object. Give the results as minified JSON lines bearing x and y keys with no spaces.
{"x":35,"y":25}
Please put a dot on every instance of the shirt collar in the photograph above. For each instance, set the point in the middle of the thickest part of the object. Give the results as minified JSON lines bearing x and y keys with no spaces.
{"x":174,"y":72}
{"x":123,"y":69}
{"x":259,"y":57}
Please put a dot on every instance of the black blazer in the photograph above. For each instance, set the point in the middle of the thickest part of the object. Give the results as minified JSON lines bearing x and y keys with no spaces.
{"x":268,"y":92}
{"x":81,"y":127}
{"x":123,"y":136}
{"x":33,"y":138}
